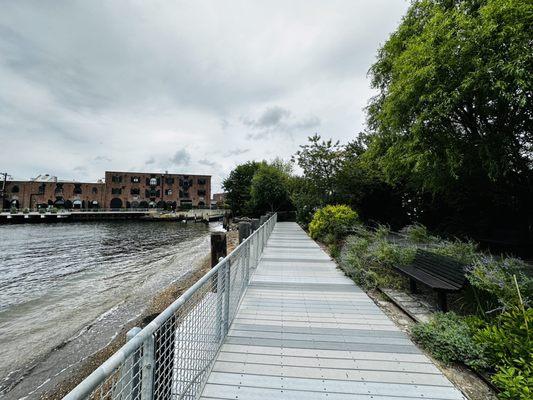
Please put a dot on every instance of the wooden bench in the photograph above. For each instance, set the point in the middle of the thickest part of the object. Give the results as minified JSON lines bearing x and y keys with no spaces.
{"x":442,"y":274}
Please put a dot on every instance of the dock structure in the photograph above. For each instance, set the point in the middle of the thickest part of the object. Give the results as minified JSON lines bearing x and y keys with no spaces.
{"x":305,"y":331}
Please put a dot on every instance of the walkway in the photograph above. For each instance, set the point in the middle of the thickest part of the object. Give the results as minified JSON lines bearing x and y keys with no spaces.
{"x":305,"y":331}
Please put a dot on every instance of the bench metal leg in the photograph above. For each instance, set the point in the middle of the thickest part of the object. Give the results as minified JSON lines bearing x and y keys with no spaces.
{"x":412,"y":286}
{"x":442,"y":301}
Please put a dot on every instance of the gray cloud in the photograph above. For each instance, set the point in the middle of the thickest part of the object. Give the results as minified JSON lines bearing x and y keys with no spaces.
{"x":102,"y":158}
{"x":150,"y":161}
{"x":181,"y":157}
{"x":236,"y":152}
{"x":278,"y":120}
{"x":271,"y":117}
{"x":207,"y":162}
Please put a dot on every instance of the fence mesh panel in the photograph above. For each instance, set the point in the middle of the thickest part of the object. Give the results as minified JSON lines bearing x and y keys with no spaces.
{"x":172,"y":356}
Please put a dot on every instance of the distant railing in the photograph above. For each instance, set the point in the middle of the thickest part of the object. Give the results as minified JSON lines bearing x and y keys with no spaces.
{"x":172,"y":356}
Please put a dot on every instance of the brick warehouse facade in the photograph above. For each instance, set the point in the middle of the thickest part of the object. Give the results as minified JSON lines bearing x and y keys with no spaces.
{"x":120,"y":190}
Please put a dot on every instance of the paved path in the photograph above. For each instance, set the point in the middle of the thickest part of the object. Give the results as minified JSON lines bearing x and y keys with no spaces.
{"x":305,"y":331}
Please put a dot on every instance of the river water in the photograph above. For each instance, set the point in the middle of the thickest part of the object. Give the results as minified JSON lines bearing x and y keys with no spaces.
{"x":65,"y":290}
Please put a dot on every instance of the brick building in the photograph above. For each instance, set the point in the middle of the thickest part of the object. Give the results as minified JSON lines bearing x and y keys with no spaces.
{"x":145,"y":190}
{"x":219,"y":199}
{"x":120,"y":190}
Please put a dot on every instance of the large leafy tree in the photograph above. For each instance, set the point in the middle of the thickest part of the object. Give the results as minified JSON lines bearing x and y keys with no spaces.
{"x":453,"y":120}
{"x":269,"y":189}
{"x":238,"y":186}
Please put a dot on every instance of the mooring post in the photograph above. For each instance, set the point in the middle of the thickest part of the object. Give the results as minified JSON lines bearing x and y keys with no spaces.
{"x":218,"y":247}
{"x":244,"y":230}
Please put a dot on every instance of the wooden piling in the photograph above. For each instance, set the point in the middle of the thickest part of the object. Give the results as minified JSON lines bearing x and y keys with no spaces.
{"x":218,"y":247}
{"x":245,"y":229}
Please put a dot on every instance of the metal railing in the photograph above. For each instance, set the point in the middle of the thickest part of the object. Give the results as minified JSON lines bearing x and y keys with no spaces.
{"x":172,"y":356}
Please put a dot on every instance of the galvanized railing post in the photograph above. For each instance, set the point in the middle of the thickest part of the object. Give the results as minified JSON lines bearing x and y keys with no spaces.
{"x":247,"y":265}
{"x":128,"y":373}
{"x":148,"y":362}
{"x":220,"y":303}
{"x":227,"y":290}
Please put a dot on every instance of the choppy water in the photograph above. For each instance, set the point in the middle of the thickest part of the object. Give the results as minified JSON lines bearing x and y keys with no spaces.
{"x":56,"y":281}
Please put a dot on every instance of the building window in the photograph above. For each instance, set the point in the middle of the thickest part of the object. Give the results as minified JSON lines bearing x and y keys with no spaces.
{"x":153,"y":181}
{"x":42,"y":188}
{"x":15,"y":189}
{"x":116,"y":191}
{"x":59,"y":188}
{"x":135,"y":191}
{"x":95,"y":190}
{"x":202,"y":181}
{"x":184,"y":194}
{"x":201,"y":192}
{"x":168,"y":192}
{"x":135,"y":179}
{"x":77,"y":188}
{"x":169,"y":181}
{"x":116,"y":179}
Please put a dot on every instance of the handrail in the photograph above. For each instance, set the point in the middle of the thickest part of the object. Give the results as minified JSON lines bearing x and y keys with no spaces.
{"x":123,"y":375}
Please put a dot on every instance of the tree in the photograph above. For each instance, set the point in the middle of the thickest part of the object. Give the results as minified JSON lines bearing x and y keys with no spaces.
{"x":238,"y":185}
{"x":453,"y":120}
{"x":320,"y":161}
{"x":269,"y":189}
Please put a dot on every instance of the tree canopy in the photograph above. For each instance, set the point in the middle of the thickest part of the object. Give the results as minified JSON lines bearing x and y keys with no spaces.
{"x":454,"y":116}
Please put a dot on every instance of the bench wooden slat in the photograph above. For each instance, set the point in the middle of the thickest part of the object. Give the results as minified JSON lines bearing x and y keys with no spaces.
{"x":428,"y":279}
{"x":441,"y":273}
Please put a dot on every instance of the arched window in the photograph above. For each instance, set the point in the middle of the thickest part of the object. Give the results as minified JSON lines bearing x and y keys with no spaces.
{"x":115,"y":203}
{"x":95,"y":190}
{"x":15,"y":189}
{"x":153,"y":181}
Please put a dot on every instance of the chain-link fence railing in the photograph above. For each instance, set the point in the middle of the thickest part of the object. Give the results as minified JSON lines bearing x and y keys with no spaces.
{"x":171,"y":357}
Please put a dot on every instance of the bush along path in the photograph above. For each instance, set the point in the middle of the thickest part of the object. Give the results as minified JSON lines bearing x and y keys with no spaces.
{"x":489,"y":327}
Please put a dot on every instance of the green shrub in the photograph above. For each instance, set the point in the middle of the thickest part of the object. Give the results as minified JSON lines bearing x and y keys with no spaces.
{"x":332,"y":220}
{"x":465,"y":252}
{"x":514,"y":384}
{"x":368,"y":260}
{"x":449,"y":338}
{"x":508,"y":347}
{"x":13,"y":210}
{"x":53,"y":210}
{"x":26,"y":211}
{"x":495,"y":277}
{"x":417,"y":233}
{"x":42,"y":210}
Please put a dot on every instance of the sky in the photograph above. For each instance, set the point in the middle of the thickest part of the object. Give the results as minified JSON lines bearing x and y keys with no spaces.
{"x":193,"y":87}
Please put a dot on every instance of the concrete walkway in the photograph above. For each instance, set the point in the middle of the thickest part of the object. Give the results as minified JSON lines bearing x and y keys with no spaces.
{"x":305,"y":331}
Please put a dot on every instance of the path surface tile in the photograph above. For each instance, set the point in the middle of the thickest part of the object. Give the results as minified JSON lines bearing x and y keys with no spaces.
{"x":305,"y":331}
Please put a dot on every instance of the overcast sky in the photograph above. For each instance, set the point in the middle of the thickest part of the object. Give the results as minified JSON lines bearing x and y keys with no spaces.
{"x":188,"y":87}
